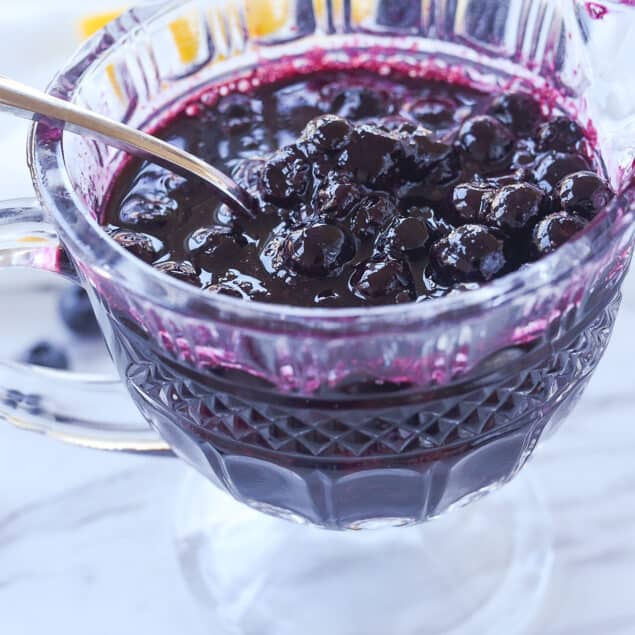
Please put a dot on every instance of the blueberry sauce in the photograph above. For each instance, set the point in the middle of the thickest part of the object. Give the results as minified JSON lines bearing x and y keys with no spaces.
{"x":368,"y":191}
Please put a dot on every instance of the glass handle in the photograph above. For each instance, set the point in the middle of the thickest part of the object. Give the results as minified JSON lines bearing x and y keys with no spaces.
{"x":62,"y":404}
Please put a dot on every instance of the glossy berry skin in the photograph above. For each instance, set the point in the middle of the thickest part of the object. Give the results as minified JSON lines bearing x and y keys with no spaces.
{"x":142,"y":209}
{"x":327,"y":133}
{"x":584,"y":193}
{"x":485,"y":140}
{"x":554,"y":166}
{"x":338,"y":195}
{"x":518,"y":111}
{"x":387,"y":279}
{"x":433,"y":114}
{"x":47,"y":355}
{"x":285,"y":177}
{"x":141,"y":245}
{"x":436,"y":224}
{"x":553,"y":231}
{"x":372,"y":213}
{"x":357,"y":102}
{"x":317,"y":250}
{"x":515,"y":207}
{"x":471,"y":253}
{"x":183,"y":271}
{"x":560,"y":134}
{"x":77,"y":312}
{"x":403,"y":236}
{"x":472,"y":200}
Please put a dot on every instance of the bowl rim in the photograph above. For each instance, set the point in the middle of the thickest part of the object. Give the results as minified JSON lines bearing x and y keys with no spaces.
{"x":85,"y":236}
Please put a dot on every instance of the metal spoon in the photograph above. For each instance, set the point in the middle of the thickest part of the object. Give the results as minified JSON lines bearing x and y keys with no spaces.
{"x":28,"y":102}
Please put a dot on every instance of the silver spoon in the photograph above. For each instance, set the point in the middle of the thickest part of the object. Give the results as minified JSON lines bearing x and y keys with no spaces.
{"x":28,"y":102}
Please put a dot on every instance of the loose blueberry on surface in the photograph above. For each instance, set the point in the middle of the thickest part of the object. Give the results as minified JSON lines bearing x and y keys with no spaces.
{"x":554,"y":166}
{"x":47,"y":355}
{"x":359,"y":102}
{"x":471,"y":253}
{"x":436,"y":224}
{"x":384,"y":279}
{"x":403,"y":235}
{"x":560,"y":135}
{"x":180,"y":270}
{"x":371,"y":154}
{"x":142,"y":209}
{"x":485,"y":140}
{"x":141,"y":245}
{"x":327,"y":133}
{"x":77,"y":312}
{"x":372,"y":213}
{"x":553,"y":231}
{"x":519,"y":111}
{"x":317,"y":250}
{"x":584,"y":192}
{"x":239,"y":111}
{"x":516,"y":207}
{"x":285,"y":177}
{"x":472,"y":200}
{"x":338,"y":195}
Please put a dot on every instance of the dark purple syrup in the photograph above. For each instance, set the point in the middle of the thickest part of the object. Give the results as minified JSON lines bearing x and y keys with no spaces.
{"x":367,"y":191}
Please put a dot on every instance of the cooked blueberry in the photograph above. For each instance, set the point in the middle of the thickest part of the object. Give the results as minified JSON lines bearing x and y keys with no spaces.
{"x":403,"y":235}
{"x":214,"y":244}
{"x":382,"y":280}
{"x":554,"y":166}
{"x":485,"y":140}
{"x":338,"y":195}
{"x":285,"y":177}
{"x":434,"y":114}
{"x":525,"y":154}
{"x":516,"y":207}
{"x":471,"y":253}
{"x":327,"y":133}
{"x":239,"y":111}
{"x":48,"y":355}
{"x":180,"y":270}
{"x":397,"y":124}
{"x":428,"y":160}
{"x":141,"y":245}
{"x":554,"y":230}
{"x":77,"y":312}
{"x":560,"y":134}
{"x":317,"y":250}
{"x":437,"y":226}
{"x":472,"y":200}
{"x":140,"y":209}
{"x":518,"y":111}
{"x":372,"y":213}
{"x":359,"y":102}
{"x":371,"y":154}
{"x":584,"y":192}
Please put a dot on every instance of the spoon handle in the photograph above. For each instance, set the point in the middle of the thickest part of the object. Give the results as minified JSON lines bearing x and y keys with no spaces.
{"x":30,"y":103}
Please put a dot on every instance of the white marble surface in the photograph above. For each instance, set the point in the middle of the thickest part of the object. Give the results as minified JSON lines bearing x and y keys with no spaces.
{"x":86,"y":541}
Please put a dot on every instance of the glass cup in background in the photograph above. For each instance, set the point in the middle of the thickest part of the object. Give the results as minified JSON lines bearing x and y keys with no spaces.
{"x":339,"y":418}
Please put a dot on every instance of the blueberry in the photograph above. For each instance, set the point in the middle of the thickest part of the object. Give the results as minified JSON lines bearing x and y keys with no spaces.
{"x":584,"y":192}
{"x":471,"y":253}
{"x":428,"y":160}
{"x":434,"y":114}
{"x":525,"y":154}
{"x":77,"y":312}
{"x":370,"y":155}
{"x":485,"y":140}
{"x":553,"y":231}
{"x":327,"y":133}
{"x":472,"y":200}
{"x":386,"y":279}
{"x":372,"y":213}
{"x":155,"y":208}
{"x":141,"y":245}
{"x":317,"y":250}
{"x":338,"y":195}
{"x":359,"y":102}
{"x":397,"y":124}
{"x":518,"y":111}
{"x":402,"y":236}
{"x":560,"y":135}
{"x":285,"y":177}
{"x":48,"y":355}
{"x":437,"y":226}
{"x":554,"y":166}
{"x":214,"y":245}
{"x":516,"y":207}
{"x":239,"y":111}
{"x":180,"y":270}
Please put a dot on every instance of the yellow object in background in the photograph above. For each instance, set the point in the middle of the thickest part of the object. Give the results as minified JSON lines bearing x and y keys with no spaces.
{"x":91,"y":24}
